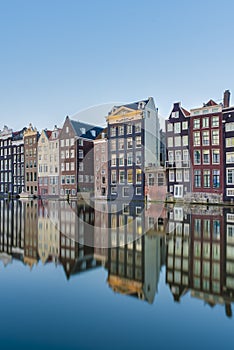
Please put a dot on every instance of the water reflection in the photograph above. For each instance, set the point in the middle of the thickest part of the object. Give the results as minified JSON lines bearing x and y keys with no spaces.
{"x":194,"y":243}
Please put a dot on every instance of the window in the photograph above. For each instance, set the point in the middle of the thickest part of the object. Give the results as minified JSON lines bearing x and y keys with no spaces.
{"x":215,"y":122}
{"x":205,"y":138}
{"x":185,"y":155}
{"x":206,"y":178}
{"x":113,"y":131}
{"x":230,"y":192}
{"x":196,"y":139}
{"x":129,"y":176}
{"x":197,"y":178}
{"x":170,"y":142}
{"x":230,"y":142}
{"x":196,"y":123}
{"x":215,"y":137}
{"x":216,"y":156}
{"x":81,"y":166}
{"x":185,"y":125}
{"x":138,"y":158}
{"x":230,"y":176}
{"x":185,"y":140}
{"x":62,"y":143}
{"x":129,"y":159}
{"x":178,"y":191}
{"x":121,"y":176}
{"x":81,"y":154}
{"x":229,"y":126}
{"x":137,"y":127}
{"x":138,"y":141}
{"x":205,"y":122}
{"x":113,"y":177}
{"x":177,"y":128}
{"x":230,"y":157}
{"x":113,"y":145}
{"x":171,"y":175}
{"x":121,"y":144}
{"x":129,"y":129}
{"x":171,"y":157}
{"x":129,"y":143}
{"x":81,"y":142}
{"x":126,"y":192}
{"x":169,"y":127}
{"x":178,"y":175}
{"x":72,"y":142}
{"x":113,"y":190}
{"x":177,"y":141}
{"x":121,"y":159}
{"x":113,"y":160}
{"x":121,"y":130}
{"x":178,"y":158}
{"x":151,"y":180}
{"x":67,"y":142}
{"x":186,"y":175}
{"x":206,"y":157}
{"x":175,"y":114}
{"x":138,"y":191}
{"x":138,"y":176}
{"x":216,"y":178}
{"x":197,"y":157}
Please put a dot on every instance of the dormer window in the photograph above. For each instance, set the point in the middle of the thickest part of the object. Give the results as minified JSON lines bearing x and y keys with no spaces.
{"x":141,"y":105}
{"x":82,"y":130}
{"x":93,"y":132}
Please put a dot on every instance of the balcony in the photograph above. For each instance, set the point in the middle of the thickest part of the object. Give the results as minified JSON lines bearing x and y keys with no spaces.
{"x":182,"y":164}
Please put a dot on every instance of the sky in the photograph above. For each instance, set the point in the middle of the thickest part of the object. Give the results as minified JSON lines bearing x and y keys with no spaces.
{"x":62,"y":58}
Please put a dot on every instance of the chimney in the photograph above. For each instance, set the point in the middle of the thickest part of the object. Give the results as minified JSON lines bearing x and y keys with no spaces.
{"x":226,"y":98}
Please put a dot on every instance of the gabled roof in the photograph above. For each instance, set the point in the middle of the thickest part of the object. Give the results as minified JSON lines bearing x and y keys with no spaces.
{"x":88,"y":134}
{"x":186,"y":113}
{"x":48,"y":133}
{"x":104,"y":131}
{"x":133,"y":105}
{"x":18,"y":135}
{"x":210,"y":103}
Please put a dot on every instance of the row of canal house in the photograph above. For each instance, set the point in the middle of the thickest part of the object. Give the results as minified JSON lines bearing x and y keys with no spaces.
{"x":120,"y":161}
{"x":200,"y":152}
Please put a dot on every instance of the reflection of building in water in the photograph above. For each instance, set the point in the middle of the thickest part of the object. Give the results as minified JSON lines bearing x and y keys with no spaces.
{"x":209,"y":257}
{"x":30,"y":233}
{"x":177,"y":262}
{"x":76,"y":225}
{"x":101,"y":231}
{"x":11,"y":231}
{"x":48,"y":231}
{"x":229,"y":259}
{"x":134,"y":259}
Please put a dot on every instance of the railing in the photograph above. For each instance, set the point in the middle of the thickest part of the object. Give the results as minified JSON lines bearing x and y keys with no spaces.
{"x":177,"y":164}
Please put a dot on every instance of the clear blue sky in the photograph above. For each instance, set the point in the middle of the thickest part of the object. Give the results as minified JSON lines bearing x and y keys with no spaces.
{"x":59,"y":57}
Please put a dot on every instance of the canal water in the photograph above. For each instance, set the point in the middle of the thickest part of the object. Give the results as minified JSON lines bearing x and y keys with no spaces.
{"x":115,"y":275}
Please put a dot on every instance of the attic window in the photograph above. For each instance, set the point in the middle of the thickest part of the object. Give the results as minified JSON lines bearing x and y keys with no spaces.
{"x":175,"y":114}
{"x":93,"y":132}
{"x":67,"y":129}
{"x":141,"y":105}
{"x":82,"y":130}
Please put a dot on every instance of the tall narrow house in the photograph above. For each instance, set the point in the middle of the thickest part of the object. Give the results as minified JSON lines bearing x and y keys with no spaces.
{"x":133,"y":145}
{"x":6,"y":160}
{"x":43,"y":163}
{"x":206,"y":138}
{"x":178,"y":159}
{"x":76,"y":157}
{"x":31,"y":136}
